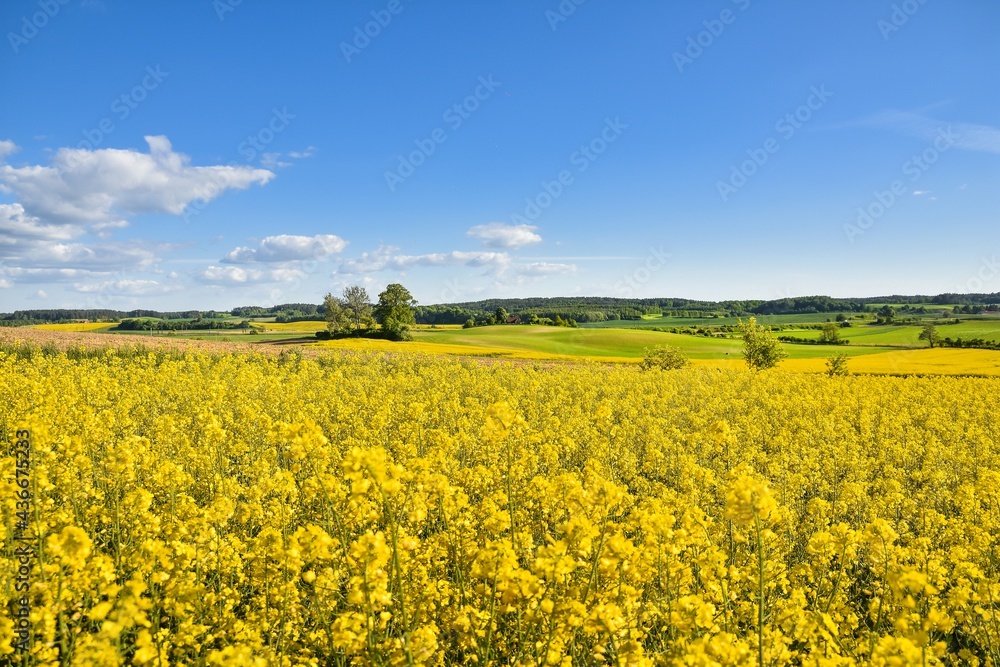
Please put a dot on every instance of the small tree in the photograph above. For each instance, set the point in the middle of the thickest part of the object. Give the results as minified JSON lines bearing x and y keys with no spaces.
{"x":358,"y":308}
{"x":394,"y":312}
{"x":469,"y":323}
{"x":500,"y":315}
{"x":760,"y":349}
{"x":837,"y":365}
{"x":830,"y":334}
{"x":930,"y":335}
{"x":663,"y":357}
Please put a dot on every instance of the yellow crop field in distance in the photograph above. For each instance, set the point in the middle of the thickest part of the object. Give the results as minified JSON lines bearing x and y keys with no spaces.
{"x":76,"y":326}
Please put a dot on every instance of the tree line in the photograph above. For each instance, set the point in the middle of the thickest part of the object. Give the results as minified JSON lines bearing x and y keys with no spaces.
{"x":578,"y":309}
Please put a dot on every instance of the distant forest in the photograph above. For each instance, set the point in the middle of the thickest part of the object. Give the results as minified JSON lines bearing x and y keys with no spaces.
{"x":579,"y":309}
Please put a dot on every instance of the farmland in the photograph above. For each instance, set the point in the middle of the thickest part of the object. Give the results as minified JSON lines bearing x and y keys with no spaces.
{"x":232,"y":508}
{"x":894,"y":349}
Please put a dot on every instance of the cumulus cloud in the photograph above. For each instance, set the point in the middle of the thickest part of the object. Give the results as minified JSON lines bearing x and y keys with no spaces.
{"x":16,"y":226}
{"x":387,"y":257}
{"x":84,"y":192}
{"x":88,"y":187}
{"x":500,"y":235}
{"x":287,"y":248}
{"x":238,"y":275}
{"x":29,"y":242}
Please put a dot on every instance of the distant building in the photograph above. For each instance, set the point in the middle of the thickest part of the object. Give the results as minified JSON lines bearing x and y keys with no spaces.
{"x":513,"y":319}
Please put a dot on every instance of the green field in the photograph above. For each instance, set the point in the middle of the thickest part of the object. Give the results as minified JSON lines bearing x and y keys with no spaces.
{"x":650,"y":322}
{"x":909,"y":335}
{"x":605,"y":343}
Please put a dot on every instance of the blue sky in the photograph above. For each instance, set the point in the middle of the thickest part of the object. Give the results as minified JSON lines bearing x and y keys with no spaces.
{"x":209,"y":154}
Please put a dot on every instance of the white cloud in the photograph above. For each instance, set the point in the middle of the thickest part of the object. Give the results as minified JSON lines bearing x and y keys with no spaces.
{"x":369,"y":262}
{"x":4,"y":283}
{"x":500,"y":235}
{"x":127,"y":287}
{"x":238,"y":275}
{"x":92,"y":192}
{"x":88,"y":187}
{"x":7,"y":147}
{"x":288,"y":248}
{"x":16,"y":226}
{"x":273,"y":161}
{"x":495,"y":260}
{"x":23,"y":275}
{"x":543,"y":269}
{"x":386,"y":257}
{"x":29,"y":242}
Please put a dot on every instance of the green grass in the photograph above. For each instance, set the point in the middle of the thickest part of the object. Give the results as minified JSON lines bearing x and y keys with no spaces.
{"x":909,"y":335}
{"x":650,"y":322}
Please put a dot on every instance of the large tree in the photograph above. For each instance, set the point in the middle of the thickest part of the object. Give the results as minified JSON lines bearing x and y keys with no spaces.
{"x":830,"y":334}
{"x":394,"y":312}
{"x":358,"y":306}
{"x":930,"y":334}
{"x":760,"y":349}
{"x":336,"y":314}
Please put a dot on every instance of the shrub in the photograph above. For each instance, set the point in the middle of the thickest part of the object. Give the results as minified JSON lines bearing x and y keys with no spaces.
{"x":663,"y":357}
